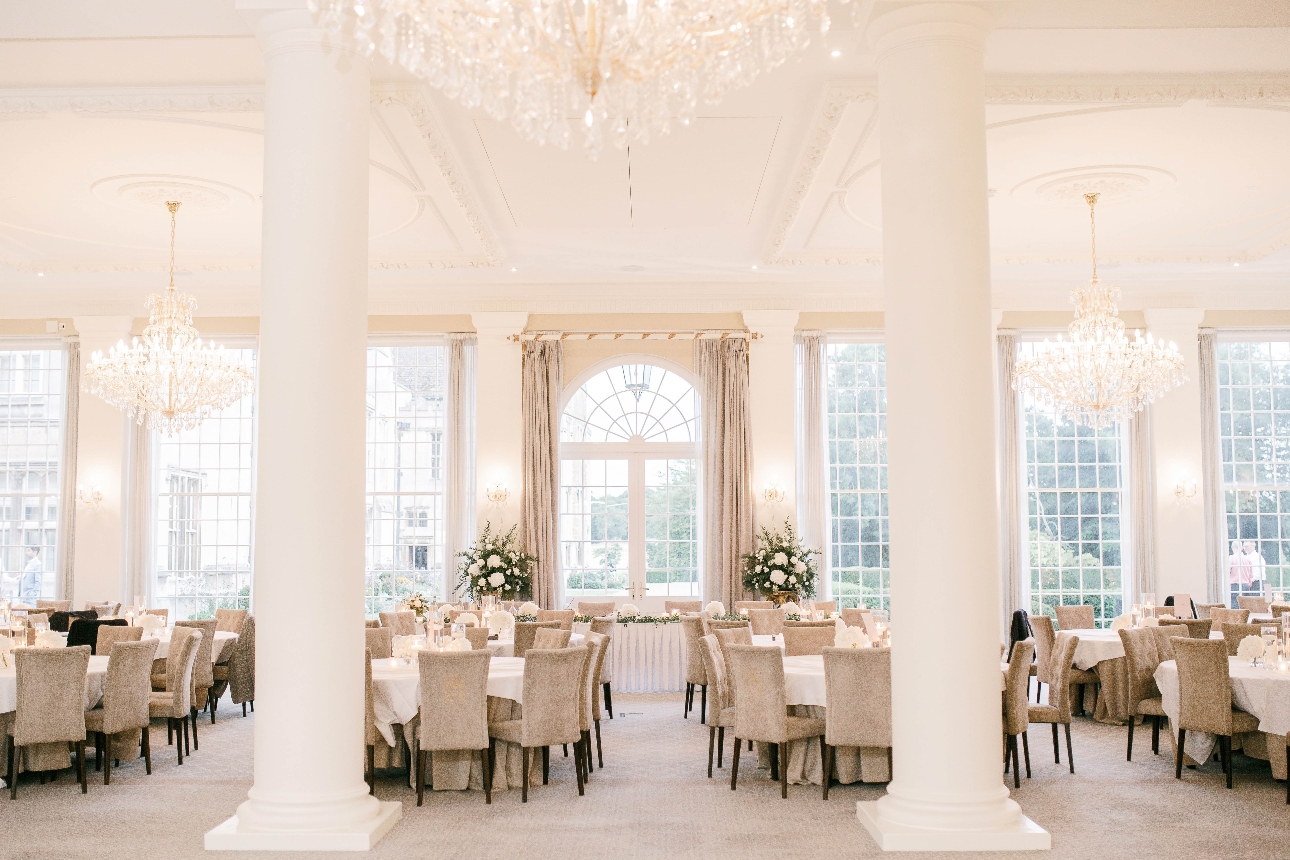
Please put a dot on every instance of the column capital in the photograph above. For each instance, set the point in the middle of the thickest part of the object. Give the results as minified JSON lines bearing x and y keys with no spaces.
{"x":771,"y":323}
{"x":1174,"y":318}
{"x":288,"y":25}
{"x":911,"y":23}
{"x":499,"y":324}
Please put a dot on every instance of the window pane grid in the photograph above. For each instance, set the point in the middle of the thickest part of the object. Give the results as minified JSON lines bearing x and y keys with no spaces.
{"x":594,"y":526}
{"x":671,"y":528}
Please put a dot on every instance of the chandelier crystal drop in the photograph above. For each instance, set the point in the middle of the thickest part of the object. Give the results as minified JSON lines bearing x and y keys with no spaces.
{"x":168,"y":377}
{"x":626,"y":67}
{"x":1099,"y":376}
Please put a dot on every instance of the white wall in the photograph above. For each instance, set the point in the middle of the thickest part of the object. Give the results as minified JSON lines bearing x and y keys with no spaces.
{"x":499,"y":428}
{"x":771,"y":414}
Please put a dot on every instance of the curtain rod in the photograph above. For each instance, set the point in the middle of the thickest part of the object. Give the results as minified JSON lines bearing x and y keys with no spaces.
{"x":652,"y":334}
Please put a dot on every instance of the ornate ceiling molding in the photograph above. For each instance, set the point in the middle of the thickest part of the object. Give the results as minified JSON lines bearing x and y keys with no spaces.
{"x":130,"y":99}
{"x":1139,"y":89}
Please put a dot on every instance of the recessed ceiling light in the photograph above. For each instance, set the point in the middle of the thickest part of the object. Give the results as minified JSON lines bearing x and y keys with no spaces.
{"x":836,"y":53}
{"x":754,"y":267}
{"x":40,"y":274}
{"x":1236,"y":264}
{"x":513,"y":269}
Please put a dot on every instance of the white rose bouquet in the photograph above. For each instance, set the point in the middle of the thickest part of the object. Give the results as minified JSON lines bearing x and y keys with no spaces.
{"x":418,"y":604}
{"x":781,"y":563}
{"x":1250,"y":648}
{"x":496,"y":565}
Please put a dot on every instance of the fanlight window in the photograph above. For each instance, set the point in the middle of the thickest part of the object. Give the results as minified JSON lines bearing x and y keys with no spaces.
{"x":628,"y":401}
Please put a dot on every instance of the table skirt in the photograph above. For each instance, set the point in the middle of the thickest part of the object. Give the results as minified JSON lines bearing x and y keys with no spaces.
{"x":647,"y":658}
{"x":851,"y":764}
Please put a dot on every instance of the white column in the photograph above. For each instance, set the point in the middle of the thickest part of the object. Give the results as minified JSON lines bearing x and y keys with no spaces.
{"x":309,"y":792}
{"x":770,"y":413}
{"x":1175,"y":442}
{"x":100,"y":452}
{"x":947,"y":793}
{"x":499,"y":428}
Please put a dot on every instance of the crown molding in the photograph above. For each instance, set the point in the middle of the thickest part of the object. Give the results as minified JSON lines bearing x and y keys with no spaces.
{"x":131,"y":99}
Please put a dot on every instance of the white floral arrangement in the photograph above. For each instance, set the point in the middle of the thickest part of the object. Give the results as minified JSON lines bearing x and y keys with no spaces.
{"x":527,"y":612}
{"x":418,"y":604}
{"x":792,"y":612}
{"x":780,"y":563}
{"x":1150,"y":621}
{"x":1250,"y":648}
{"x":496,"y":565}
{"x":715,"y":609}
{"x":850,"y":637}
{"x":628,"y":610}
{"x":500,"y":621}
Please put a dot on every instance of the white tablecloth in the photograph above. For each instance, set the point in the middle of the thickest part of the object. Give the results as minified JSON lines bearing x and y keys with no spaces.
{"x":396,"y":689}
{"x":1262,"y":692}
{"x":94,"y":679}
{"x":220,"y":651}
{"x":1098,"y":645}
{"x":647,"y":658}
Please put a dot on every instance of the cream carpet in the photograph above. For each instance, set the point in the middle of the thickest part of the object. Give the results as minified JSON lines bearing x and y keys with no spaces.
{"x":654,"y":801}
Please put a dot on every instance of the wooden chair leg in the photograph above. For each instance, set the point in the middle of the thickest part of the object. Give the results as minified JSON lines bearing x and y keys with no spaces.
{"x":524,"y":789}
{"x":1225,"y":745}
{"x":80,"y":766}
{"x":703,"y":705}
{"x":686,"y":700}
{"x":578,"y":766}
{"x":546,"y":765}
{"x":11,"y":769}
{"x":244,"y":704}
{"x":170,"y":731}
{"x":1016,"y":765}
{"x":179,"y":738}
{"x":486,"y":765}
{"x":98,"y":751}
{"x":193,"y":715}
{"x":783,"y":770}
{"x":1128,"y":756}
{"x":146,"y":743}
{"x":107,"y":759}
{"x":1025,"y":745}
{"x":1182,"y":739}
{"x":712,"y":747}
{"x":1155,"y":734}
{"x":421,"y":776}
{"x":734,"y":766}
{"x":1288,"y":774}
{"x":600,"y":752}
{"x":1070,"y":754}
{"x":370,"y":770}
{"x":1057,"y":751}
{"x":609,"y":700}
{"x":213,"y":703}
{"x":721,"y":744}
{"x":774,"y":761}
{"x":824,"y":766}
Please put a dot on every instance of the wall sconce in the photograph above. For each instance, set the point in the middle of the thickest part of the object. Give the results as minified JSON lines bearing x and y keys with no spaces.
{"x":90,"y":498}
{"x":774,"y":494}
{"x":496,"y":493}
{"x":1185,"y":489}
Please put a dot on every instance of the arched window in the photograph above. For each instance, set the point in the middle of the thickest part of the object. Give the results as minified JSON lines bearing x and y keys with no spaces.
{"x":629,"y":498}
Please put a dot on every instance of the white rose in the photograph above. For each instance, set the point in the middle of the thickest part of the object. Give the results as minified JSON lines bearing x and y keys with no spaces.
{"x":494,"y":561}
{"x":506,"y":587}
{"x":496,"y":579}
{"x":790,"y":608}
{"x":799,"y":567}
{"x":715,"y":608}
{"x":792,"y":580}
{"x":629,"y":611}
{"x":1250,"y":648}
{"x":482,"y":581}
{"x":777,"y":577}
{"x":474,"y":569}
{"x":780,"y":559}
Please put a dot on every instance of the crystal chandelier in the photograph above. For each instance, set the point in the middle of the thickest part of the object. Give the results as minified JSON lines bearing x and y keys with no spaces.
{"x":631,"y":66}
{"x":168,"y":377}
{"x":1099,"y":377}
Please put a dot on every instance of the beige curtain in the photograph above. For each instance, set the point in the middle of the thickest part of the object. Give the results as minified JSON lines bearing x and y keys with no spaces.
{"x":136,"y":580}
{"x":543,"y":379}
{"x":722,"y":368}
{"x":65,"y":554}
{"x":1012,"y":534}
{"x":1142,"y":505}
{"x":812,"y":486}
{"x":459,"y":447}
{"x":1211,"y":479}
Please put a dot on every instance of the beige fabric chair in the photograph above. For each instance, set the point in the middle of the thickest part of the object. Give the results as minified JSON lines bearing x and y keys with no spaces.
{"x":454,"y":709}
{"x":1075,"y":617}
{"x":594,"y":608}
{"x":1205,"y":699}
{"x":564,"y":616}
{"x":403,"y":623}
{"x":380,"y":641}
{"x":164,"y":613}
{"x":371,"y":622}
{"x":1164,"y":637}
{"x":1219,"y":616}
{"x":857,"y":689}
{"x":61,"y":605}
{"x":238,"y":674}
{"x":1234,"y":633}
{"x":51,"y":705}
{"x":800,"y":641}
{"x":761,"y":713}
{"x":711,"y":625}
{"x":551,"y":712}
{"x":229,"y":620}
{"x":1162,"y":611}
{"x":478,"y":638}
{"x":1203,"y":610}
{"x":766,"y":622}
{"x":832,"y":625}
{"x":1142,"y":658}
{"x":725,"y":638}
{"x":104,"y":610}
{"x":125,"y":702}
{"x":1278,"y":609}
{"x":753,"y":604}
{"x":370,"y":734}
{"x":1045,"y":637}
{"x":696,"y":674}
{"x":826,"y":606}
{"x":1249,"y":604}
{"x":1197,"y":628}
{"x":203,"y":670}
{"x":526,"y":634}
{"x":1016,"y":705}
{"x":595,"y":643}
{"x":108,"y":636}
{"x":548,"y":638}
{"x":722,"y":716}
{"x":682,"y":606}
{"x":604,"y":625}
{"x":854,"y":617}
{"x":1058,"y":710}
{"x":175,"y":703}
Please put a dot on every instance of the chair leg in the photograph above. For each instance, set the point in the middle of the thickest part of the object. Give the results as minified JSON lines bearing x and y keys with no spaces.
{"x":193,"y":715}
{"x":421,"y":775}
{"x":98,"y":751}
{"x":546,"y":765}
{"x":1016,"y":763}
{"x":146,"y":743}
{"x":687,"y":700}
{"x":712,"y":746}
{"x":486,"y":765}
{"x":578,"y":769}
{"x":11,"y":755}
{"x":244,"y":704}
{"x":214,"y":703}
{"x":734,"y":766}
{"x":824,"y":766}
{"x":609,"y":700}
{"x":369,"y":772}
{"x":524,"y":789}
{"x":600,"y":753}
{"x":1182,"y":739}
{"x":1070,"y":755}
{"x":170,"y":731}
{"x":566,"y":750}
{"x":80,"y":766}
{"x":774,"y":761}
{"x":721,"y":744}
{"x":1155,"y":734}
{"x":1288,"y":776}
{"x":107,"y":759}
{"x":179,"y":738}
{"x":1057,"y":751}
{"x":1025,"y":745}
{"x":783,"y":770}
{"x":1128,"y":756}
{"x":1225,"y":746}
{"x":703,"y":705}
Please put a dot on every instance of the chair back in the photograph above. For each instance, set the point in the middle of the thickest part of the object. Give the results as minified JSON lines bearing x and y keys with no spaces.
{"x":403,"y":623}
{"x":826,"y":606}
{"x":1016,"y":688}
{"x":204,"y":668}
{"x":766,"y":622}
{"x":800,"y":641}
{"x":1234,"y":633}
{"x":51,"y":695}
{"x":1059,"y":688}
{"x":832,"y":625}
{"x":104,"y":609}
{"x":1141,"y":660}
{"x":54,"y":605}
{"x":128,"y":685}
{"x":110,"y":635}
{"x":711,"y":625}
{"x":564,"y":616}
{"x":1249,"y":604}
{"x":184,"y":645}
{"x":752,"y":604}
{"x":241,"y":664}
{"x":1278,"y":609}
{"x":551,"y":637}
{"x":478,"y":638}
{"x":1197,"y":628}
{"x":714,"y":664}
{"x":758,"y":676}
{"x":1075,"y":617}
{"x":857,"y":695}
{"x":454,"y":699}
{"x":1164,"y":637}
{"x":1045,"y":639}
{"x":380,"y":641}
{"x":695,"y":670}
{"x":1219,"y":616}
{"x":605,"y":627}
{"x":1203,"y":610}
{"x":854,"y":617}
{"x":84,"y":631}
{"x":526,"y":634}
{"x":1204,"y":687}
{"x":727,"y":636}
{"x":229,"y":620}
{"x":682,"y":606}
{"x":594,"y":608}
{"x":552,"y":705}
{"x":164,"y":613}
{"x":595,"y":644}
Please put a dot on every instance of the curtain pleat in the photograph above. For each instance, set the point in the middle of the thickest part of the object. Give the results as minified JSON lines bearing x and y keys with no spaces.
{"x":1012,"y":535}
{"x":812,"y":490}
{"x":65,"y":561}
{"x":722,"y":368}
{"x":459,"y":447}
{"x":137,"y":574}
{"x":1142,"y":505}
{"x":543,"y":381}
{"x":1211,"y":478}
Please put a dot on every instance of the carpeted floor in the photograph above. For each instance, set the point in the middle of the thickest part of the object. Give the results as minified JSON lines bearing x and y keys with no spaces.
{"x":654,"y":801}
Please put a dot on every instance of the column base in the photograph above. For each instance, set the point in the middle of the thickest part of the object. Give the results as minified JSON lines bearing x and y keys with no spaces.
{"x":1019,"y":835}
{"x":225,"y":837}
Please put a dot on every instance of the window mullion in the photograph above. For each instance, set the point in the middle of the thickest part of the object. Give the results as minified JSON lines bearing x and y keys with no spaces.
{"x":636,"y":520}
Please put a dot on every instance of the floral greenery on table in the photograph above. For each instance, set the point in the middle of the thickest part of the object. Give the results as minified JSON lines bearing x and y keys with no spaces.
{"x":780,"y":563}
{"x":527,"y":619}
{"x":629,"y":614}
{"x":418,"y":604}
{"x":496,"y":565}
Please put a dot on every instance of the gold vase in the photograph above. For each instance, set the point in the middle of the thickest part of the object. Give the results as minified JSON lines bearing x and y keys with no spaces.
{"x":779,"y":598}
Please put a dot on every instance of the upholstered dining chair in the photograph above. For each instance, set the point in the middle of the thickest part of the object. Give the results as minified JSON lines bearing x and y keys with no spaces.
{"x":1164,"y":637}
{"x":766,"y":622}
{"x":1142,"y":658}
{"x":454,"y":709}
{"x":551,"y":712}
{"x":1205,"y":699}
{"x":857,"y":695}
{"x":33,"y":619}
{"x":238,"y":674}
{"x":1203,"y":610}
{"x":826,"y":606}
{"x":371,"y":622}
{"x":526,"y":634}
{"x":1075,"y":617}
{"x":722,"y":716}
{"x":1278,"y":609}
{"x":161,"y":612}
{"x":1058,"y":710}
{"x":727,"y":636}
{"x":1250,"y":604}
{"x":1045,"y":637}
{"x":564,"y":616}
{"x":590,"y":714}
{"x":203,"y":670}
{"x":477,"y":637}
{"x":175,"y":703}
{"x":682,"y":606}
{"x":761,"y":712}
{"x":547,"y":638}
{"x":854,"y":617}
{"x":61,"y":605}
{"x":752,"y":604}
{"x":1234,"y":633}
{"x":105,"y":609}
{"x":711,"y":625}
{"x":1016,"y":704}
{"x":696,"y":675}
{"x":604,"y":625}
{"x":51,"y":705}
{"x":800,"y":641}
{"x":229,"y":620}
{"x":1220,"y":616}
{"x":403,"y":622}
{"x":380,"y":641}
{"x":1197,"y":628}
{"x":370,"y":735}
{"x":109,"y":636}
{"x":594,"y":608}
{"x":125,"y":702}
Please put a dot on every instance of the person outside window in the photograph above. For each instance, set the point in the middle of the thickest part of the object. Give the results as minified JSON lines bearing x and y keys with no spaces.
{"x":32,"y":574}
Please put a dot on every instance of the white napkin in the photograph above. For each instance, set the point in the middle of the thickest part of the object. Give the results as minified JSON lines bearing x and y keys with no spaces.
{"x":1122,"y":622}
{"x":462,"y":644}
{"x":1150,"y":621}
{"x":850,"y":637}
{"x":790,"y":608}
{"x":528,"y":609}
{"x":715,"y":608}
{"x":54,"y":639}
{"x":467,"y":618}
{"x":149,"y":623}
{"x":500,"y":621}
